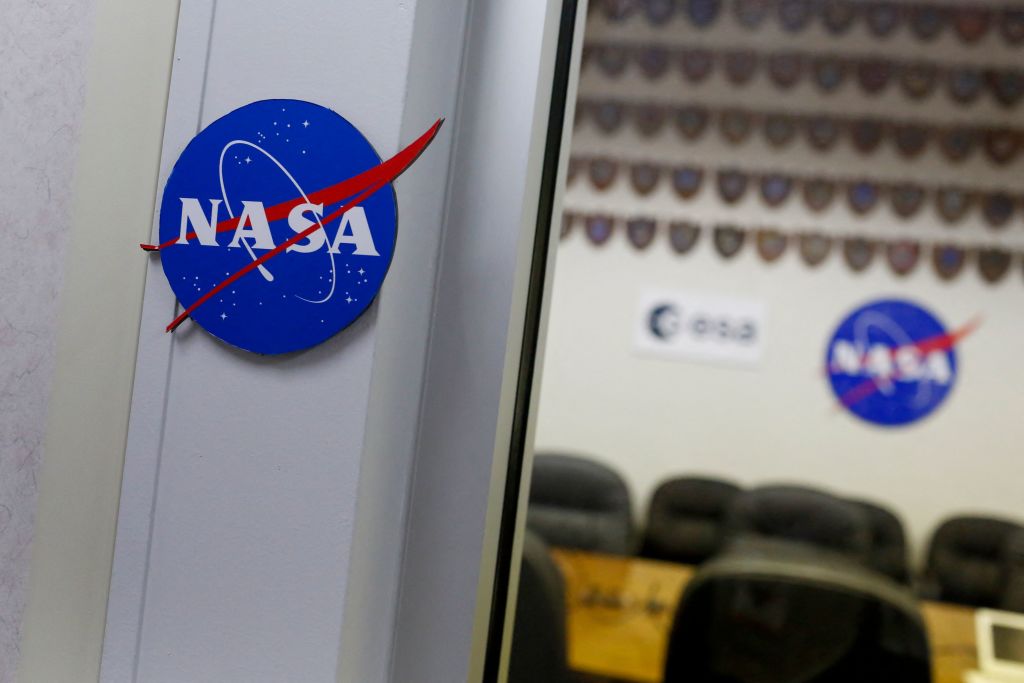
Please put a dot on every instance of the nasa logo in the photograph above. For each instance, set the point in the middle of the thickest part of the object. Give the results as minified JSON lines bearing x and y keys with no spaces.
{"x":278,"y":224}
{"x":892,"y":362}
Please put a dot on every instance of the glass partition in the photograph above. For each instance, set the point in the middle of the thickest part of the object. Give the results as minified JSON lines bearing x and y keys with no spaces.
{"x":779,"y":380}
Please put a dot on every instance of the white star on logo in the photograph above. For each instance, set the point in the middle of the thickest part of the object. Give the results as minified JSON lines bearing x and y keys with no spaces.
{"x":349,"y":299}
{"x":248,"y":160}
{"x":361,"y":271}
{"x":305,"y":124}
{"x":223,"y":316}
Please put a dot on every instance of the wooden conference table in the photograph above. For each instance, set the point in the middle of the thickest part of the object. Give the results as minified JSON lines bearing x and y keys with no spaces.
{"x":620,"y":611}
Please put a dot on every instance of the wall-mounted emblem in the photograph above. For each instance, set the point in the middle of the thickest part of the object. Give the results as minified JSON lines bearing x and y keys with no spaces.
{"x":683,"y":235}
{"x":649,"y":119}
{"x":599,"y":228}
{"x":750,"y":13}
{"x":993,"y":263}
{"x":660,"y":11}
{"x":892,"y":362}
{"x":927,"y":21}
{"x":278,"y":224}
{"x":731,"y":185}
{"x":779,"y":129}
{"x":728,"y":240}
{"x":644,"y":177}
{"x":691,"y":121}
{"x":948,"y":260}
{"x":814,"y":248}
{"x":694,"y":326}
{"x":859,"y":252}
{"x":882,"y":18}
{"x":697,"y":64}
{"x":1011,"y":24}
{"x":641,"y":231}
{"x":795,"y":14}
{"x":687,"y":180}
{"x":703,"y":12}
{"x":771,"y":244}
{"x":740,"y":66}
{"x":652,"y":60}
{"x":903,"y":256}
{"x":775,"y":188}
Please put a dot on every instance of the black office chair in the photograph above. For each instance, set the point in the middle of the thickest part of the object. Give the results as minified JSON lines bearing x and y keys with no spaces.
{"x":538,"y":652}
{"x":967,"y":562}
{"x":685,"y":519}
{"x":578,"y":503}
{"x":888,"y":552}
{"x":773,"y":611}
{"x":801,"y":514}
{"x":1013,"y":559}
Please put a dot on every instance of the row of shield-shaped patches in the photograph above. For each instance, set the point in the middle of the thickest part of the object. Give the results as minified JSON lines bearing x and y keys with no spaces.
{"x":912,"y":139}
{"x":971,"y":23}
{"x":919,"y":79}
{"x":686,"y":110}
{"x":861,"y":196}
{"x":813,"y":248}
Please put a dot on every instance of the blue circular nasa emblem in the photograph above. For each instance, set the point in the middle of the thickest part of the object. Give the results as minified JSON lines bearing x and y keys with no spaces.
{"x":892,"y":362}
{"x":283,"y":196}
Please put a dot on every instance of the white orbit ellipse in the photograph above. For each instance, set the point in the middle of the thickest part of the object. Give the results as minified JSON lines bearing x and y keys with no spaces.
{"x":227,"y":205}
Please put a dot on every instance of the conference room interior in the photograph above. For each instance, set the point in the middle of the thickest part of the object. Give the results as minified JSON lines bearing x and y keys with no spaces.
{"x":726,"y":485}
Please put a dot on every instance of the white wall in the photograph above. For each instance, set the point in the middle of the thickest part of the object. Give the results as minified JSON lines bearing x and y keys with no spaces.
{"x":42,"y":50}
{"x":655,"y":418}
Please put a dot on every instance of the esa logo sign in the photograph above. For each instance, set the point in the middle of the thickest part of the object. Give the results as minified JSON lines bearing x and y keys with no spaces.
{"x":278,"y":224}
{"x":893,"y":362}
{"x":695,"y":326}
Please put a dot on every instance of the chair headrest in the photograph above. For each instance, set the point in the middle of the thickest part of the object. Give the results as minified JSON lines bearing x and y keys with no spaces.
{"x":973,"y":536}
{"x":578,"y":483}
{"x":801,"y":514}
{"x":774,"y":611}
{"x":693,"y":496}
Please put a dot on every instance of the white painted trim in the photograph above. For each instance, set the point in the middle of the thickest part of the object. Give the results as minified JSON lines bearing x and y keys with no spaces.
{"x":115,"y":190}
{"x":554,"y":237}
{"x":138,"y":487}
{"x":404,"y":315}
{"x":475,"y":345}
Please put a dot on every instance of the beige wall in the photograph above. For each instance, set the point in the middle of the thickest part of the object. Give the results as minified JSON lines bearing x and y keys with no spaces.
{"x":43,"y":47}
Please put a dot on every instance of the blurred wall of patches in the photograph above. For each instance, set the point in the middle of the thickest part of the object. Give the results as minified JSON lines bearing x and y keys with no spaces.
{"x":655,"y":418}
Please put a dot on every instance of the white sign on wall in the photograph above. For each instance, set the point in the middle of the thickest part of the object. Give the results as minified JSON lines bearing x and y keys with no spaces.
{"x":684,"y":325}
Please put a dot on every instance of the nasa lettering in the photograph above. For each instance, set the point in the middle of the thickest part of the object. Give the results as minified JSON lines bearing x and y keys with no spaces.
{"x":278,"y":224}
{"x":892,"y":362}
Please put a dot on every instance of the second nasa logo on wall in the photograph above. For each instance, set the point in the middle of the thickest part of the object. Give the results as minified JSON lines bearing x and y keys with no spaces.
{"x":278,"y":225}
{"x":892,"y":362}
